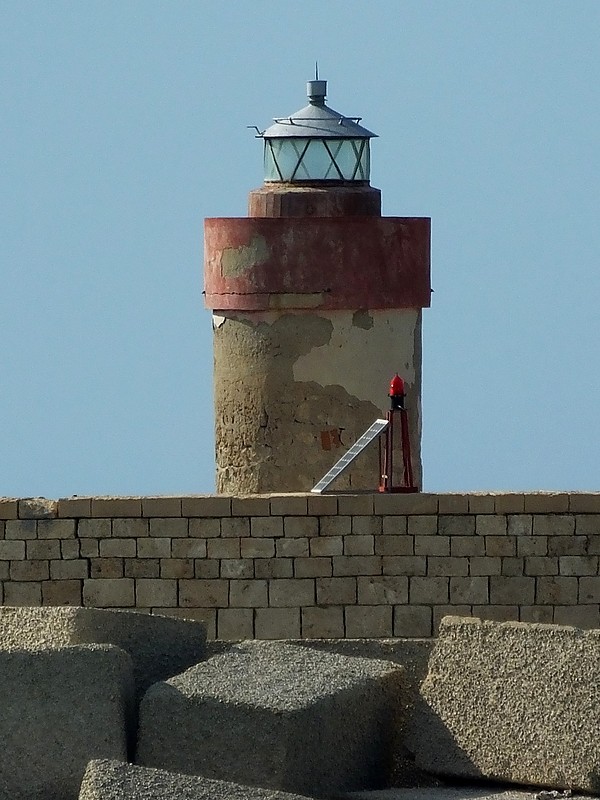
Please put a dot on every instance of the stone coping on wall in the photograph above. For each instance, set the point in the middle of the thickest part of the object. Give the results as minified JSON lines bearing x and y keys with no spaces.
{"x":296,"y":504}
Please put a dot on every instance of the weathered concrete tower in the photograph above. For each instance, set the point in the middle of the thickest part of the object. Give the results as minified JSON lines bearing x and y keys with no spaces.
{"x":316,"y":303}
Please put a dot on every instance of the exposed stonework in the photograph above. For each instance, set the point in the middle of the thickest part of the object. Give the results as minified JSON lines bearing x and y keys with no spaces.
{"x":294,"y":391}
{"x":311,"y":566}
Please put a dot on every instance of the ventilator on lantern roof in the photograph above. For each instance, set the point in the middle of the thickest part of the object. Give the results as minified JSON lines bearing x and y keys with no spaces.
{"x":317,"y":144}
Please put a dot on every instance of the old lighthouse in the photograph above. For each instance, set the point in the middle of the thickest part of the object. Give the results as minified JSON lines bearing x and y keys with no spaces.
{"x":317,"y":301}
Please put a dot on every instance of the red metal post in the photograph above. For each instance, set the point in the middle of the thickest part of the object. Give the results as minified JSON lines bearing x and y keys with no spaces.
{"x":386,"y":460}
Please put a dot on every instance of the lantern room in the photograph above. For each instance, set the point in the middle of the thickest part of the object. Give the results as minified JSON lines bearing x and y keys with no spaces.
{"x":317,"y":144}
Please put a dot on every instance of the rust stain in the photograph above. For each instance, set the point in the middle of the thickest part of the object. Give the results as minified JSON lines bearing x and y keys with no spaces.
{"x":331,"y":439}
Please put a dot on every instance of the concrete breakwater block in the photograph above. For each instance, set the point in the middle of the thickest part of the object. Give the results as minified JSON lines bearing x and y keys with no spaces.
{"x":513,"y":702}
{"x":159,"y":646}
{"x":114,"y":780}
{"x":58,"y":709}
{"x":275,"y":715}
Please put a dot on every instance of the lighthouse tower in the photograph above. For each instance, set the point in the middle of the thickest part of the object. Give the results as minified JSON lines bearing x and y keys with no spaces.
{"x":317,"y":301}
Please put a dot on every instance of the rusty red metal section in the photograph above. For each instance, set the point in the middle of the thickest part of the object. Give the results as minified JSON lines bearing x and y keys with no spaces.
{"x":259,"y":263}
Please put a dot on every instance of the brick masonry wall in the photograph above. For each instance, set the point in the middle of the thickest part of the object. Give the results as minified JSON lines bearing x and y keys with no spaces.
{"x":290,"y":566}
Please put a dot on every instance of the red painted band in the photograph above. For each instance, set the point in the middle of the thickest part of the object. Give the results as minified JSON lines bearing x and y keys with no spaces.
{"x":259,"y":263}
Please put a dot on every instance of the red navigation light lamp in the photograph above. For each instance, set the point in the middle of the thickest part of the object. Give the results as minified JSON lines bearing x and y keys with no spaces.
{"x":397,"y":392}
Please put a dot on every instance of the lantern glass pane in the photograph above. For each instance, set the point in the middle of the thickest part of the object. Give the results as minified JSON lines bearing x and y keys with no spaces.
{"x":317,"y":163}
{"x":349,"y":156}
{"x":281,"y":159}
{"x":304,"y":159}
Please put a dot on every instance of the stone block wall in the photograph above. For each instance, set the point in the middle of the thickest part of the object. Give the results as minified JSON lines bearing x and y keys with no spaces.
{"x":292,"y":566}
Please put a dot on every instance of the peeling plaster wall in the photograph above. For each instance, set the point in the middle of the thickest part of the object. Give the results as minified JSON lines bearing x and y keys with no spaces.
{"x":235,"y":261}
{"x":293,"y":391}
{"x":364,"y":346}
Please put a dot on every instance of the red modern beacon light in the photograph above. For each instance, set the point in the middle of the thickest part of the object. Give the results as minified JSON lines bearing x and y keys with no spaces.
{"x":397,"y":392}
{"x":397,"y":396}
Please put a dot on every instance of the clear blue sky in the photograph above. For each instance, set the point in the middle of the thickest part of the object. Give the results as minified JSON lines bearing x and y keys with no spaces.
{"x":123,"y":124}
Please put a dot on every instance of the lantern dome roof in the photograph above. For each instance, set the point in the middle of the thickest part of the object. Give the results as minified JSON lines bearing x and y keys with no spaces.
{"x":317,"y":120}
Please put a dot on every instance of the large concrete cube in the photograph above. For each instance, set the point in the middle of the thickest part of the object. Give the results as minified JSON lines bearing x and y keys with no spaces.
{"x":114,"y":780}
{"x":513,"y":702}
{"x":58,"y":709}
{"x":275,"y":715}
{"x":413,"y":656}
{"x":159,"y":646}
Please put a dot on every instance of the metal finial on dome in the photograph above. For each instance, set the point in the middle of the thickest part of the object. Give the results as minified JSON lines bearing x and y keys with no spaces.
{"x":316,"y":91}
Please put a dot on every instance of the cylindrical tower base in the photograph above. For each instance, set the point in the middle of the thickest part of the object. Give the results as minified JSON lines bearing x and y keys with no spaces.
{"x":293,"y":390}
